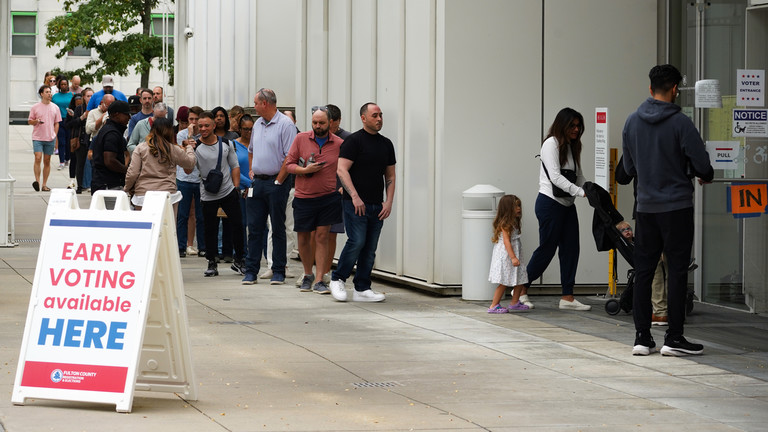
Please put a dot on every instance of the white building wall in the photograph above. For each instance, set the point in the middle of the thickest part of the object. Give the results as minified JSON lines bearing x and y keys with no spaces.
{"x":238,"y":47}
{"x":468,"y":90}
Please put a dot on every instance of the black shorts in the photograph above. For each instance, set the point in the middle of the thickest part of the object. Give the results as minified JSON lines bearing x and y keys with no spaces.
{"x":310,"y":213}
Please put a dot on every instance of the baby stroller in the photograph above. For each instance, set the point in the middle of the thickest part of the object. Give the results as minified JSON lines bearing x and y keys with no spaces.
{"x":607,"y":237}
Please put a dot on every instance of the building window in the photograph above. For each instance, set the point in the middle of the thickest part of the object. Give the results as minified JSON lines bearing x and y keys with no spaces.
{"x":79,"y":51}
{"x":164,"y":32}
{"x":23,"y":33}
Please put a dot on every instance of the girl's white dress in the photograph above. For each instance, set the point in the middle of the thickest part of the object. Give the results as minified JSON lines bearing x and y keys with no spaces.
{"x":502,"y":271}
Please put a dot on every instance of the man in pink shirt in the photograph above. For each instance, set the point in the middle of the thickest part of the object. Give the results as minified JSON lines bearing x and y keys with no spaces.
{"x":314,"y":157}
{"x":45,"y":118}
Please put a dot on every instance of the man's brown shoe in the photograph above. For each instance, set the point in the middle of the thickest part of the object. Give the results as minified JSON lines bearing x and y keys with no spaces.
{"x":659,"y":320}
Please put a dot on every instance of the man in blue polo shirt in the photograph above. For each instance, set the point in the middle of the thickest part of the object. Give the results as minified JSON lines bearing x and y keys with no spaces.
{"x":272,"y":136}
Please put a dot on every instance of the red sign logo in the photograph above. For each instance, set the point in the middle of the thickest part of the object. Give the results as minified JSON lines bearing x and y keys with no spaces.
{"x":602,"y":117}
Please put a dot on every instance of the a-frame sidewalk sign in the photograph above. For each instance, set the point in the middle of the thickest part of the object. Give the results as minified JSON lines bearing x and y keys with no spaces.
{"x":107,"y":313}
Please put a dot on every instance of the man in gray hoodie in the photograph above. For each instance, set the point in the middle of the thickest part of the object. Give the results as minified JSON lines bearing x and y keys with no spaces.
{"x":663,"y":149}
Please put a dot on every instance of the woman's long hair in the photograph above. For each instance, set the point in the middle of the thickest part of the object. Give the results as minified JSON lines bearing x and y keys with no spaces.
{"x":160,"y":140}
{"x":559,"y":130}
{"x":506,"y":216}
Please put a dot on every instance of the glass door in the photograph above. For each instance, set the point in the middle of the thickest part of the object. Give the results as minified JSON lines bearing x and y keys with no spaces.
{"x":712,"y":40}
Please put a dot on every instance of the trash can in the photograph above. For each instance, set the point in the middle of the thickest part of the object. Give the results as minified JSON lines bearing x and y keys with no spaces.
{"x":478,"y":209}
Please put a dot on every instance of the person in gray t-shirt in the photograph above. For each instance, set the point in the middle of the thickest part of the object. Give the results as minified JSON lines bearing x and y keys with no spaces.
{"x":226,"y":197}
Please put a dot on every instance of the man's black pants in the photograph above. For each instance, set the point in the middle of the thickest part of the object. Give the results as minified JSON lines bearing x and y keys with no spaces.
{"x":231,"y":206}
{"x":671,"y":233}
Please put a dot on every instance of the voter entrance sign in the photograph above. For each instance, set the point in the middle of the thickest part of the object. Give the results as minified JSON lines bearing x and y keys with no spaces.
{"x":107,"y":312}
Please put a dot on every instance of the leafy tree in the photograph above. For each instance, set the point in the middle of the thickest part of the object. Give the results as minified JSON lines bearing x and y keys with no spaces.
{"x":106,"y":26}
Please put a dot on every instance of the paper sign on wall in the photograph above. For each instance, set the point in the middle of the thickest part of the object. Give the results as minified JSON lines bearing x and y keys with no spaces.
{"x":602,"y":167}
{"x":723,"y":154}
{"x":708,"y":94}
{"x":750,"y":87}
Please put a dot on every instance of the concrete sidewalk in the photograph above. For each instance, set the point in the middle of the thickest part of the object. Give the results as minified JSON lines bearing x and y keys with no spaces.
{"x":269,"y":358}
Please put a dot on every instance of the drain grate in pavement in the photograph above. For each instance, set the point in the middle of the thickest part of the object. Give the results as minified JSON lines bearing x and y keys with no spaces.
{"x":27,"y":240}
{"x":377,"y":384}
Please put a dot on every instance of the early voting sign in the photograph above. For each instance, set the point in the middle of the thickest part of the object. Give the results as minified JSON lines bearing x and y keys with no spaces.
{"x":107,"y":313}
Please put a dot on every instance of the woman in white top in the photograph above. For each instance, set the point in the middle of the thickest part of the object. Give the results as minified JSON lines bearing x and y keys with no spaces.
{"x":558,"y":222}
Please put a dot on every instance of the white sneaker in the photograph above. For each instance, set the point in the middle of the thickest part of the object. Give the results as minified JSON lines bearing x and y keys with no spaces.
{"x":191,"y":250}
{"x":266,"y":275}
{"x":367,"y":296}
{"x":574,"y":305}
{"x":338,"y":290}
{"x":524,"y":300}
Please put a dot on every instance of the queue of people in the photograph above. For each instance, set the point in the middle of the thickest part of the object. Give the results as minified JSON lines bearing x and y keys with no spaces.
{"x":230,"y":176}
{"x":242,"y":174}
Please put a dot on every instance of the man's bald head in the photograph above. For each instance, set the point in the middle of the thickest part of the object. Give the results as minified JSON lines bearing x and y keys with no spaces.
{"x":106,"y":101}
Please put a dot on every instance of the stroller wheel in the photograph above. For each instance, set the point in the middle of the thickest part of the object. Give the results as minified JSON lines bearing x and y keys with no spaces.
{"x":612,"y":307}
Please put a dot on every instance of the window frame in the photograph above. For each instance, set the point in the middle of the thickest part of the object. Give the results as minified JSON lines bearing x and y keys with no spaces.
{"x":14,"y":14}
{"x":171,"y":37}
{"x":71,"y":53}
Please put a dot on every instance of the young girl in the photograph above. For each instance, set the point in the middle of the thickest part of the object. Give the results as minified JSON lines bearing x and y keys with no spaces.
{"x":506,"y":268}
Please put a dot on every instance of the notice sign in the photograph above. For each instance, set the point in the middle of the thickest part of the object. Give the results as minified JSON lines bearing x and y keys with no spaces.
{"x":602,"y":168}
{"x":89,"y":289}
{"x":708,"y":94}
{"x":750,"y":123}
{"x":747,"y":199}
{"x":723,"y":154}
{"x":750,"y":87}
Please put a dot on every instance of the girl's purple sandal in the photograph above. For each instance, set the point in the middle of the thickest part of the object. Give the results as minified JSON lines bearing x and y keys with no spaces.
{"x":499,"y":309}
{"x":517,"y":307}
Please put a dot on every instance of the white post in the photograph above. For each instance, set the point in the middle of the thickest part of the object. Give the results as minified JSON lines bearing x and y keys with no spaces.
{"x":6,"y":181}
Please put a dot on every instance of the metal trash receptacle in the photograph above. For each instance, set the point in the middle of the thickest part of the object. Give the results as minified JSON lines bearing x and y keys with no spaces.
{"x":478,"y":209}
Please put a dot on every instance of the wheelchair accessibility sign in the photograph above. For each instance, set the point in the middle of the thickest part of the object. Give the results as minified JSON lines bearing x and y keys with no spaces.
{"x":750,"y":123}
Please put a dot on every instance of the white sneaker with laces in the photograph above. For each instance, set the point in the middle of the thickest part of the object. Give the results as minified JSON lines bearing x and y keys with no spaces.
{"x":191,"y":250}
{"x":338,"y":290}
{"x":574,"y":305}
{"x":524,"y":300}
{"x":367,"y":296}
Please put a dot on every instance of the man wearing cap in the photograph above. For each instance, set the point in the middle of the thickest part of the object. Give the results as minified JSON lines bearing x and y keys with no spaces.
{"x":108,"y":84}
{"x":109,"y":150}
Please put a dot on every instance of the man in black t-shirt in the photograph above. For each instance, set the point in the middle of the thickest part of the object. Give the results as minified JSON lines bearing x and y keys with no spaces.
{"x":366,"y":168}
{"x":109,"y":150}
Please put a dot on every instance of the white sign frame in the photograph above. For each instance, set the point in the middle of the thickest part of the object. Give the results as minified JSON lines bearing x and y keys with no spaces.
{"x":749,"y":123}
{"x":79,"y":366}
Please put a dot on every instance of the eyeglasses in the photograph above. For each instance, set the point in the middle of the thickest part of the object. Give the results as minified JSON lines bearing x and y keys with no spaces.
{"x":623,"y":230}
{"x":321,"y":108}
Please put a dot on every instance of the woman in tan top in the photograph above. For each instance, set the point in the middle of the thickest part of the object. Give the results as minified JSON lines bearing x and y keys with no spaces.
{"x":153,"y":164}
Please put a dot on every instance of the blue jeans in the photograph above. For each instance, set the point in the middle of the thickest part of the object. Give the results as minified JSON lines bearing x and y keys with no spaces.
{"x":362,"y":239}
{"x":87,"y":172}
{"x":63,"y":137}
{"x":558,"y":231}
{"x":189,"y":192}
{"x":270,"y":200}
